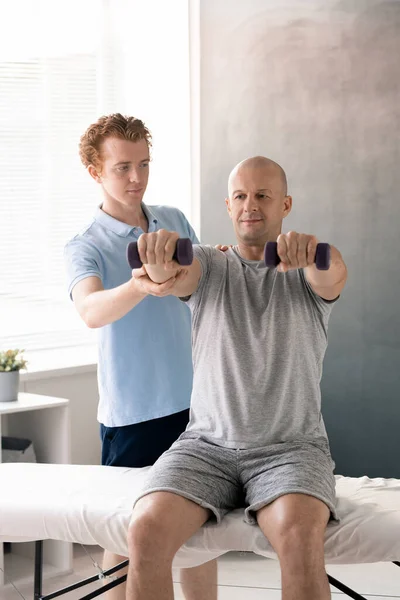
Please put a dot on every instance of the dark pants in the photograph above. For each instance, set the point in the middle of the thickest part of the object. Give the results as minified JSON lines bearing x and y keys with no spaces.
{"x":141,"y":444}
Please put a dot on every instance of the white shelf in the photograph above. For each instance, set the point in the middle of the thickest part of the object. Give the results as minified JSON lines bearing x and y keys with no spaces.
{"x":28,"y":402}
{"x":45,"y":421}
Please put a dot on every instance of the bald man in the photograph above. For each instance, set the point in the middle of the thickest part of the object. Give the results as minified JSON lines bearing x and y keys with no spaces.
{"x":256,"y":437}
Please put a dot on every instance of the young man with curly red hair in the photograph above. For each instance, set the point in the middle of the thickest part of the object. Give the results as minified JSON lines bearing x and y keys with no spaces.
{"x":145,"y":360}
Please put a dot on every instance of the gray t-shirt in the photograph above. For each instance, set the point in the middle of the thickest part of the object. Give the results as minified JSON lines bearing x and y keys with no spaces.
{"x":259,"y":338}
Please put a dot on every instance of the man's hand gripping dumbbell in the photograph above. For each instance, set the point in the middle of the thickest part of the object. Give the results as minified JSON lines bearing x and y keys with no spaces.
{"x":162,"y":255}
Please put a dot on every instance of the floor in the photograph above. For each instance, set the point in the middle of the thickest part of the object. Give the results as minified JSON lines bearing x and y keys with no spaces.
{"x":242,"y":576}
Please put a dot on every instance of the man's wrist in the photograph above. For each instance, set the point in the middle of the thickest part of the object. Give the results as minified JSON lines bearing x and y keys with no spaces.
{"x":137,"y":288}
{"x":159,"y":274}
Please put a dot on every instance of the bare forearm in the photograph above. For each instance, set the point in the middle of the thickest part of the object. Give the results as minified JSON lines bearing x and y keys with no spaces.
{"x":328,"y":284}
{"x":159,"y":274}
{"x":185,"y":280}
{"x":106,"y":306}
{"x":156,"y":251}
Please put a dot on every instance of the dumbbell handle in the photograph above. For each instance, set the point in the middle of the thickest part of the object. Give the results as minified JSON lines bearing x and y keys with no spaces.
{"x":322,"y":256}
{"x":183,"y":254}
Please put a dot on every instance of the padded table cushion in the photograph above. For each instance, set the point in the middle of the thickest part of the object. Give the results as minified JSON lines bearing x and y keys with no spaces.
{"x":93,"y":505}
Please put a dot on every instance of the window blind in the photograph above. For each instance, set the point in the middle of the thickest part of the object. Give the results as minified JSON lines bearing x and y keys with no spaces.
{"x":68,"y":63}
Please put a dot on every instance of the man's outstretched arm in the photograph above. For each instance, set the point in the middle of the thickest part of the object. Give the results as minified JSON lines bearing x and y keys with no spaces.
{"x":156,"y":253}
{"x":297,"y":250}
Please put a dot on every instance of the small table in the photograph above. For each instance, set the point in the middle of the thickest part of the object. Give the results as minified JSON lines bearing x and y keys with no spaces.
{"x":45,"y":421}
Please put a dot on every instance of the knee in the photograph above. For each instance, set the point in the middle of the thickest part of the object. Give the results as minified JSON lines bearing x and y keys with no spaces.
{"x":296,"y":536}
{"x":143,"y":534}
{"x":148,"y":538}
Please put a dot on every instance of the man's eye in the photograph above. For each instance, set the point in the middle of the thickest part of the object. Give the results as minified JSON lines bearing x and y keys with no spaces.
{"x":239,"y":197}
{"x":144,"y":165}
{"x":124,"y":168}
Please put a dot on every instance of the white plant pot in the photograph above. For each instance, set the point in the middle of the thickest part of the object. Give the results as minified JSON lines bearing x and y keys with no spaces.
{"x":9,"y":386}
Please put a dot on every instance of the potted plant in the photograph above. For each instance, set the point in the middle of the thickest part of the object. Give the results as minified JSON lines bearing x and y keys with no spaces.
{"x":11,"y":362}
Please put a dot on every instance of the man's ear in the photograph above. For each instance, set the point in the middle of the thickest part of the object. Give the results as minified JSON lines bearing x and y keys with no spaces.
{"x":94,"y":173}
{"x":228,"y":206}
{"x":287,"y":205}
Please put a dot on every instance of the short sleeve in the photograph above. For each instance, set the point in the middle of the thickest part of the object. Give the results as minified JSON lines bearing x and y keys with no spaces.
{"x":204,"y":256}
{"x":82,"y":260}
{"x":324,"y":307}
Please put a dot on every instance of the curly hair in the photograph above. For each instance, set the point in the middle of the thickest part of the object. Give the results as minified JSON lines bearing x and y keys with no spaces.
{"x":115,"y":125}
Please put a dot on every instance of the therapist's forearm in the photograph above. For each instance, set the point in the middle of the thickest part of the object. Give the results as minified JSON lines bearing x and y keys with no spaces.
{"x":106,"y":306}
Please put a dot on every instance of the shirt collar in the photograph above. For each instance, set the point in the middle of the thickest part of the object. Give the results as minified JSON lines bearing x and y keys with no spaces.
{"x":120,"y":228}
{"x":151,"y":218}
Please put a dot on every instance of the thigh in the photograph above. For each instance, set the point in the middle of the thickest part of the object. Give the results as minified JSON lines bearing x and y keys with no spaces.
{"x":198,"y":471}
{"x":290,"y":468}
{"x":141,"y":444}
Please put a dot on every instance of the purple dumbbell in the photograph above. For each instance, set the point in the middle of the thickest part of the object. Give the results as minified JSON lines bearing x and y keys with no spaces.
{"x":183,"y":254}
{"x":322,"y":256}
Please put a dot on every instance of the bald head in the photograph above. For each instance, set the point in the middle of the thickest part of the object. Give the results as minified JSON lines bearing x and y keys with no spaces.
{"x":258,"y":201}
{"x":258,"y":163}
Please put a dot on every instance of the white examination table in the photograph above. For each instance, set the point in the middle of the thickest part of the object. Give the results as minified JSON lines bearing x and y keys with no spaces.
{"x":93,"y":504}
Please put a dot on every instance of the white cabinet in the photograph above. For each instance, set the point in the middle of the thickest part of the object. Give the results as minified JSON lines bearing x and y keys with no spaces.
{"x":44,"y":420}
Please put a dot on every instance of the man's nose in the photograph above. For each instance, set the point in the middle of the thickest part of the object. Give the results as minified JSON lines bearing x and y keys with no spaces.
{"x":134,"y":175}
{"x":251,"y":204}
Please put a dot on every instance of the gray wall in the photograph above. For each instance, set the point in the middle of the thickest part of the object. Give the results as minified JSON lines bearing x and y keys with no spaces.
{"x":315,"y":86}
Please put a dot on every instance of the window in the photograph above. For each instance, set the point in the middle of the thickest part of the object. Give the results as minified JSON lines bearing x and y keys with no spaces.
{"x":61,"y":67}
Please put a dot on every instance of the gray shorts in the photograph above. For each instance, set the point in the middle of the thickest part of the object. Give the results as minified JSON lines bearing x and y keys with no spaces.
{"x":222,"y":479}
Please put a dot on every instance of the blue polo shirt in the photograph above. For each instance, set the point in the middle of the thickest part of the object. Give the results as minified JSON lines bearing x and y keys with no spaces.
{"x":145,"y":358}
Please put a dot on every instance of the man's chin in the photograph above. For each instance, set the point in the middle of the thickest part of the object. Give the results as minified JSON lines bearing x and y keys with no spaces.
{"x":252,"y":239}
{"x":133,"y":200}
